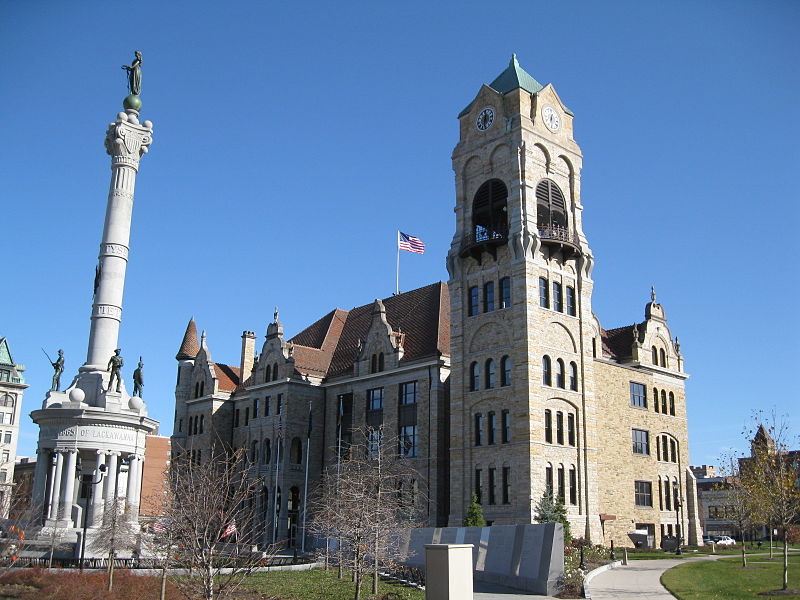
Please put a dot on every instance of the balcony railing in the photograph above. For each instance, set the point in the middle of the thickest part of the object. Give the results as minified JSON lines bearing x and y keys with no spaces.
{"x":482,"y":236}
{"x":560,"y":234}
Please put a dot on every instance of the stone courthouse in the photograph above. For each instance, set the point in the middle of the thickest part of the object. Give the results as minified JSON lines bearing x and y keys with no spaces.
{"x":501,"y":383}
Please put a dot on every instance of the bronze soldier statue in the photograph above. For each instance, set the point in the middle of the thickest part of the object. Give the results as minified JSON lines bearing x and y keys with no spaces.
{"x":58,"y":367}
{"x":138,"y":379}
{"x":114,"y":366}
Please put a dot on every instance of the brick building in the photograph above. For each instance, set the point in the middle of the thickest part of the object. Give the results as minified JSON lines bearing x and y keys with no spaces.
{"x":502,"y":382}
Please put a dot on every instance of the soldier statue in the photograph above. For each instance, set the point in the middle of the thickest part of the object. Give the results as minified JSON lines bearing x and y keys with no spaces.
{"x":138,"y":379}
{"x":58,"y":367}
{"x":114,"y":366}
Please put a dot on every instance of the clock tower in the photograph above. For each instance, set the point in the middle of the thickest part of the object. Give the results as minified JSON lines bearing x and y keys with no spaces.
{"x":523,"y":331}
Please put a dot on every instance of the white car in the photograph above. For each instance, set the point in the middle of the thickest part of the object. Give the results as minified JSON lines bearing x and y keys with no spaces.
{"x":723,"y":540}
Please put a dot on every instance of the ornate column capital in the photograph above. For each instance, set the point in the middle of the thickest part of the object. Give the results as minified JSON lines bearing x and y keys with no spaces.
{"x":127,"y":140}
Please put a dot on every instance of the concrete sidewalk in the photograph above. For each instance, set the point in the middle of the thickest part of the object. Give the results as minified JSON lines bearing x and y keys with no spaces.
{"x":489,"y":591}
{"x":640,"y":579}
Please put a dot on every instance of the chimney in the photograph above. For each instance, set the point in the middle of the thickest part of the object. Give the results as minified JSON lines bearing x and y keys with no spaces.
{"x":248,"y":353}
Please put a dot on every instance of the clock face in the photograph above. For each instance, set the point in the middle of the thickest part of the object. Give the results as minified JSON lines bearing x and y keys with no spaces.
{"x":551,"y":118}
{"x":485,"y":119}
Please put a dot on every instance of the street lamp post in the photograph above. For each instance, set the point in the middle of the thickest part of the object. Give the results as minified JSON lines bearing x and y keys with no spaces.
{"x":679,"y":529}
{"x":90,"y":497}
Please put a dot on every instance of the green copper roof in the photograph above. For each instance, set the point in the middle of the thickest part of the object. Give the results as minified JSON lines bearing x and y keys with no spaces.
{"x":5,"y":353}
{"x":512,"y":78}
{"x":515,"y":77}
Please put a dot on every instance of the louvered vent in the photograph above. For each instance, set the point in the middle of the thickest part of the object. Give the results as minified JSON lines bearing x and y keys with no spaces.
{"x":489,"y":206}
{"x":551,"y":205}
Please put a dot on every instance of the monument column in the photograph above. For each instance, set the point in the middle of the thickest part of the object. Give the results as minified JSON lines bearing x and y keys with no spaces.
{"x":55,"y":485}
{"x":68,"y":475}
{"x":40,"y":479}
{"x":131,"y":501}
{"x":111,"y":480}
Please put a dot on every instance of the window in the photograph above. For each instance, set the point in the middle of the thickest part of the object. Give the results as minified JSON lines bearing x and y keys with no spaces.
{"x":506,"y":485}
{"x":474,"y":377}
{"x":236,"y":418}
{"x":279,"y":406}
{"x":488,"y":296}
{"x":505,"y":292}
{"x":638,"y":395}
{"x":550,"y":206}
{"x":266,"y":455}
{"x":473,"y":301}
{"x":594,"y":347}
{"x":6,"y":456}
{"x":664,"y":448}
{"x":375,"y":399}
{"x":573,"y":485}
{"x":374,"y":441}
{"x":202,"y":423}
{"x":490,"y":428}
{"x":408,"y":440}
{"x":506,"y":426}
{"x":478,"y":490}
{"x":373,"y":363}
{"x":254,"y":451}
{"x":408,"y":392}
{"x":492,"y":485}
{"x":662,"y":355}
{"x":489,"y":218}
{"x":655,"y":355}
{"x":489,"y":374}
{"x":673,"y":451}
{"x":663,"y":401}
{"x":571,"y":429}
{"x":296,"y":451}
{"x":380,"y":362}
{"x":655,"y":400}
{"x":558,"y":297}
{"x":255,"y":408}
{"x":641,"y":441}
{"x":547,"y":374}
{"x":478,"y":429}
{"x":5,"y":375}
{"x":505,"y":371}
{"x":573,"y":376}
{"x":544,"y":293}
{"x":246,"y":415}
{"x":643,"y":493}
{"x":268,"y":374}
{"x":667,"y":496}
{"x":672,"y":404}
{"x":660,"y":499}
{"x":548,"y":479}
{"x":180,"y":426}
{"x":571,"y":311}
{"x":267,"y":402}
{"x":561,"y":376}
{"x":658,"y":447}
{"x":274,"y":371}
{"x":548,"y":426}
{"x":560,"y":428}
{"x":561,"y":495}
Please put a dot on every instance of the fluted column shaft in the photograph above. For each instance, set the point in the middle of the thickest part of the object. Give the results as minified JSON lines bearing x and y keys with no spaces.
{"x":111,"y":481}
{"x":38,"y":501}
{"x":68,"y":475}
{"x":95,"y":514}
{"x":55,"y":486}
{"x":131,"y":501}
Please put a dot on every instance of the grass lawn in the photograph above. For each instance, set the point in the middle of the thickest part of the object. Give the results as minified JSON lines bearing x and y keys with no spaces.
{"x":318,"y":584}
{"x":724,"y":579}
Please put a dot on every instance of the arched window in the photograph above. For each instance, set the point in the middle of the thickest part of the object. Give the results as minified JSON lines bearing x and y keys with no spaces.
{"x":478,"y":429}
{"x":296,"y":451}
{"x":658,"y":447}
{"x":380,"y":362}
{"x":673,"y":451}
{"x":505,"y":371}
{"x":560,"y":427}
{"x":491,"y":426}
{"x":561,"y":483}
{"x":9,"y":401}
{"x":573,"y":377}
{"x":548,"y":479}
{"x":268,"y":374}
{"x":571,"y":309}
{"x":274,"y":371}
{"x":655,"y":399}
{"x":663,"y":402}
{"x":655,"y":356}
{"x":573,"y":485}
{"x":489,"y":212}
{"x":267,"y":451}
{"x":505,"y":292}
{"x":254,"y":451}
{"x":203,"y":388}
{"x":544,"y":293}
{"x":558,"y":297}
{"x":294,"y":498}
{"x":488,"y":296}
{"x":474,"y":377}
{"x":373,"y":367}
{"x":473,"y":301}
{"x":561,"y":378}
{"x":663,"y":356}
{"x":202,"y":422}
{"x":550,"y":205}
{"x":672,"y":404}
{"x":548,"y":426}
{"x":547,"y":374}
{"x":664,"y":448}
{"x":571,"y":433}
{"x":489,"y":374}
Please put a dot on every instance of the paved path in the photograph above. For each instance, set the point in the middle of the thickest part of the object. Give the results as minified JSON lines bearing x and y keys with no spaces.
{"x":640,"y":579}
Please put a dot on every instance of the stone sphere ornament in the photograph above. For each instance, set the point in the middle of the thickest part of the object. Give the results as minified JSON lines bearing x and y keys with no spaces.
{"x":132,"y":101}
{"x":135,"y":403}
{"x":77,"y":395}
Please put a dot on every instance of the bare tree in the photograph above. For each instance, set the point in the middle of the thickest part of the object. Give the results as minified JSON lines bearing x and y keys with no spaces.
{"x":117,"y":533}
{"x":366,"y":501}
{"x":210,"y":522}
{"x":771,"y":474}
{"x":741,"y":505}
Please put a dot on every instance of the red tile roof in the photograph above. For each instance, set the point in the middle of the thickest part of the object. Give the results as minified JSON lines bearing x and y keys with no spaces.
{"x":617,"y":342}
{"x":189,"y":346}
{"x":227,"y":376}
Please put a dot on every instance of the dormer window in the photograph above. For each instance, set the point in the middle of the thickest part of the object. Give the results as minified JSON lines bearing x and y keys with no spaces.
{"x":550,"y":205}
{"x":489,"y":212}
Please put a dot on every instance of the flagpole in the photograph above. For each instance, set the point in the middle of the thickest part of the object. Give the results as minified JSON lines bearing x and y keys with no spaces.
{"x":397,"y":279}
{"x":305,"y":485}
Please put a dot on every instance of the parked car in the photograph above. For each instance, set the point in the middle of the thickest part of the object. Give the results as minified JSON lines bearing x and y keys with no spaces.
{"x":723,"y":540}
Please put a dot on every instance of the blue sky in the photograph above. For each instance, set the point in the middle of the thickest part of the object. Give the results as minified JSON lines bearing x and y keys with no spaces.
{"x":293,"y":139}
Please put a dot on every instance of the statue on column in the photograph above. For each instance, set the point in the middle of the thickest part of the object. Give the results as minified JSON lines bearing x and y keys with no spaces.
{"x":138,"y":379}
{"x":135,"y":74}
{"x":114,"y":366}
{"x":58,"y":369}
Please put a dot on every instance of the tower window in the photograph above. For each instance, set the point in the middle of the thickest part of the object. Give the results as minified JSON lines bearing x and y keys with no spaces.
{"x":672,"y":404}
{"x":573,"y":377}
{"x":489,"y":212}
{"x":473,"y":301}
{"x":548,"y":479}
{"x":571,"y":301}
{"x":505,"y":292}
{"x":474,"y":377}
{"x":573,"y":485}
{"x":490,"y":428}
{"x":548,"y":426}
{"x":505,"y":426}
{"x":655,"y":356}
{"x":544,"y":293}
{"x":275,"y":372}
{"x":478,"y":494}
{"x":506,"y":484}
{"x":547,"y":372}
{"x":560,"y":427}
{"x":488,"y":296}
{"x":561,"y":377}
{"x":505,"y":371}
{"x":663,"y":356}
{"x":561,"y":483}
{"x":489,"y":374}
{"x":550,"y":205}
{"x":655,"y":399}
{"x":663,"y":401}
{"x":558,"y":297}
{"x":491,"y":485}
{"x":478,"y":429}
{"x":571,"y":429}
{"x":380,"y":362}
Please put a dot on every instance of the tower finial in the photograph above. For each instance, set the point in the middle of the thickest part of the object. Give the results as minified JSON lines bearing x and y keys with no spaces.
{"x":513,"y":59}
{"x":653,"y":293}
{"x":275,"y":315}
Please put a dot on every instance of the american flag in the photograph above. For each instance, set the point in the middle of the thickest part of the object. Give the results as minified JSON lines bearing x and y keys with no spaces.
{"x":410,"y":243}
{"x":161,"y":526}
{"x":229,"y":530}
